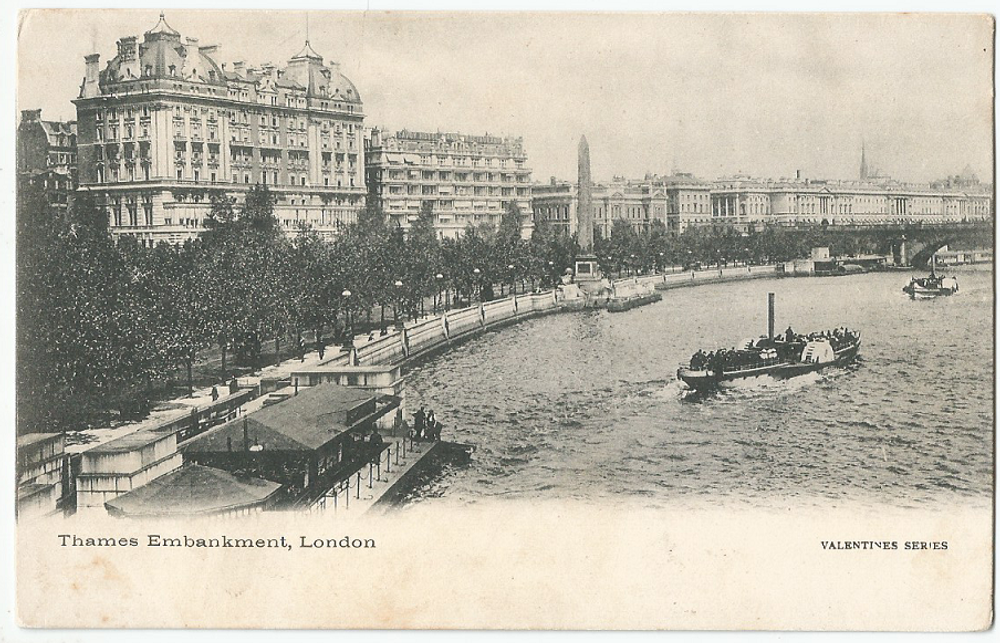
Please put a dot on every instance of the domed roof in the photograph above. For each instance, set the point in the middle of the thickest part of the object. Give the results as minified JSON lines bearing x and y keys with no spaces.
{"x":307,"y":69}
{"x":341,"y":88}
{"x":162,"y":54}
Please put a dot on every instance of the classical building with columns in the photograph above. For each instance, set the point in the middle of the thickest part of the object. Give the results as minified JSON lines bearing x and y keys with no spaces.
{"x":164,"y":125}
{"x":745,"y":202}
{"x":464,"y":179}
{"x":678,"y":201}
{"x":682,"y":201}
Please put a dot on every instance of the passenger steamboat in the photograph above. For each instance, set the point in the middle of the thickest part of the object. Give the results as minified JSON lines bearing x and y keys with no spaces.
{"x":933,"y":285}
{"x":783,"y":356}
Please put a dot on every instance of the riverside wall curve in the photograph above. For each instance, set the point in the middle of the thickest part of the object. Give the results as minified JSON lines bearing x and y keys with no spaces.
{"x":432,"y":335}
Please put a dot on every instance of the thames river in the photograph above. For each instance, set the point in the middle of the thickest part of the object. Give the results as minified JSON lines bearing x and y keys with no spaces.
{"x":587,"y":405}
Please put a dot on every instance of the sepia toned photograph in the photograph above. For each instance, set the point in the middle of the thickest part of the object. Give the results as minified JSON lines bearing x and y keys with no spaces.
{"x":504,"y":320}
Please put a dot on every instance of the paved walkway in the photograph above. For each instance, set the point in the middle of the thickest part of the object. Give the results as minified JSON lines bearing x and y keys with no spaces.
{"x":355,"y":497}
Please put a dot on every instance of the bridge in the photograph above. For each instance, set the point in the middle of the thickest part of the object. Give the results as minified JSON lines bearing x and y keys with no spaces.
{"x":913,"y":244}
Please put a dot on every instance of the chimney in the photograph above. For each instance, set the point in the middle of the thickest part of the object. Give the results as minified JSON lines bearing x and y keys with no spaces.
{"x":30,"y":115}
{"x":93,"y":62}
{"x":126,"y":48}
{"x":798,"y":175}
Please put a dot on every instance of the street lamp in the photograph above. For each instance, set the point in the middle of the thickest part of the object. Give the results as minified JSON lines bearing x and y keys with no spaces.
{"x":348,"y":326}
{"x":397,"y":300}
{"x":510,"y":271}
{"x":437,"y":298}
{"x":479,"y":287}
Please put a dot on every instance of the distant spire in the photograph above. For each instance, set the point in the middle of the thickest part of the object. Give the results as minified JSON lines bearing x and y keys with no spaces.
{"x":863,"y":174}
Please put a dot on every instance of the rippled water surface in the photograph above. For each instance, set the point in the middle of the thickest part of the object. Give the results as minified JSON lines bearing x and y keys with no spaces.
{"x":586,"y":405}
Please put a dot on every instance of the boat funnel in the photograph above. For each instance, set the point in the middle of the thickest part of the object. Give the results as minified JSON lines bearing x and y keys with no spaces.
{"x":770,"y":315}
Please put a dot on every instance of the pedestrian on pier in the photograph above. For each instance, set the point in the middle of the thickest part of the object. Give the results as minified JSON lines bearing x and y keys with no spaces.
{"x":301,"y":343}
{"x":233,"y":385}
{"x":419,"y":420}
{"x":215,"y":393}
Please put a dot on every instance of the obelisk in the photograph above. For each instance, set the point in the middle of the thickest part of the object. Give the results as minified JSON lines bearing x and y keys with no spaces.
{"x":584,"y":200}
{"x":586,"y":272}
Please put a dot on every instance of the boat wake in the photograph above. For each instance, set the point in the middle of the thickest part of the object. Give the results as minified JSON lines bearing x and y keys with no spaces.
{"x":745,"y":389}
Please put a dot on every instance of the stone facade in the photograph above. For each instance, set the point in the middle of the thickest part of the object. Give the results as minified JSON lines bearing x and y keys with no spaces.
{"x":464,"y":179}
{"x":677,"y":201}
{"x":46,"y":156}
{"x":164,"y":125}
{"x":747,"y":202}
{"x":681,"y":201}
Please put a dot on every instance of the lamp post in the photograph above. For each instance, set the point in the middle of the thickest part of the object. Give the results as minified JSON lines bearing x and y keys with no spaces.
{"x":510,"y":271}
{"x":398,"y":290}
{"x":632,"y":265}
{"x":479,"y":287}
{"x":661,"y":265}
{"x":438,"y":279}
{"x":348,"y":326}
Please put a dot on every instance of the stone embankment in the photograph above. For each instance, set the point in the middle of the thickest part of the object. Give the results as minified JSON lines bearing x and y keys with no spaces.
{"x":428,"y":335}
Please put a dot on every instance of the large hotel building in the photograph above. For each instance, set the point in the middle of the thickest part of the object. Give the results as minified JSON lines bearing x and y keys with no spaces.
{"x":463,"y":179}
{"x":164,"y":124}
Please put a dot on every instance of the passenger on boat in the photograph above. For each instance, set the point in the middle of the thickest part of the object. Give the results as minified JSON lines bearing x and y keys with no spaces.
{"x":789,"y":334}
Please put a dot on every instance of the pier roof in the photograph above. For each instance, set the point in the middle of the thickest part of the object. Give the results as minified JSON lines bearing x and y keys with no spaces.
{"x":26,"y":440}
{"x":193,"y":489}
{"x":129,"y":442}
{"x":304,"y":422}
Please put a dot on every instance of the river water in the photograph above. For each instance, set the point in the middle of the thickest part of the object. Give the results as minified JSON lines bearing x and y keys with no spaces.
{"x":587,"y":405}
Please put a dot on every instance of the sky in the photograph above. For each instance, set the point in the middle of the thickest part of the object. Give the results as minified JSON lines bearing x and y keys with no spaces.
{"x":714,"y":94}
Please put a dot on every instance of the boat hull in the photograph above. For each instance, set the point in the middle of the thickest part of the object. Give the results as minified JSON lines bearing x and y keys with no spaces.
{"x":701,"y":380}
{"x":917,"y":292}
